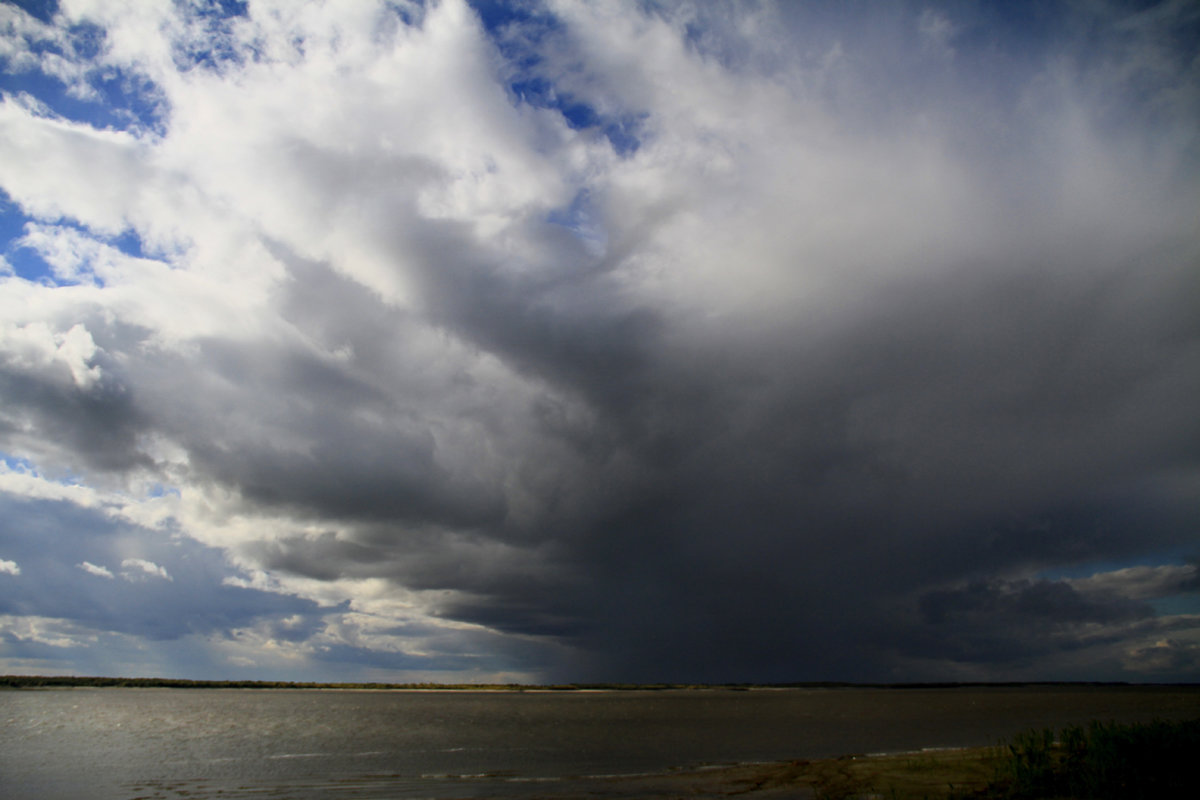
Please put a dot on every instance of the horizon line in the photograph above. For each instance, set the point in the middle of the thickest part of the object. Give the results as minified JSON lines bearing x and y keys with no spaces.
{"x":102,"y":681}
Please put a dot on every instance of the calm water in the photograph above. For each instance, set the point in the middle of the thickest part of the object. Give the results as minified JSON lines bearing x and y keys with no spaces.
{"x":163,"y":743}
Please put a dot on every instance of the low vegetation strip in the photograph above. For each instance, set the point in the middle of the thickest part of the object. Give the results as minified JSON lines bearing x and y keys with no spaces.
{"x":1105,"y":761}
{"x":1098,"y":761}
{"x":76,"y":681}
{"x":82,"y":681}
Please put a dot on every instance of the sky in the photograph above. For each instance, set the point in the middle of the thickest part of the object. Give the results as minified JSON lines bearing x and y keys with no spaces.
{"x":600,"y":341}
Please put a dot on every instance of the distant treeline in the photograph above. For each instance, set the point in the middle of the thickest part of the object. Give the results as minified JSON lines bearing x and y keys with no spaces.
{"x":53,"y":681}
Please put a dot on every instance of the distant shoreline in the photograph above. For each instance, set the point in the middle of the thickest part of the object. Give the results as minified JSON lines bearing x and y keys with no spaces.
{"x":76,"y":681}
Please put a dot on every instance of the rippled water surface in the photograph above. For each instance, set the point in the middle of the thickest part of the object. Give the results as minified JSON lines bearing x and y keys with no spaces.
{"x":160,"y":743}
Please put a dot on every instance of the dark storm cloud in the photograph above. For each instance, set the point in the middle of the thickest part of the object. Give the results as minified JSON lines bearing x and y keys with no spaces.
{"x":345,"y":439}
{"x":1013,"y":612}
{"x":99,"y":423}
{"x":789,"y":497}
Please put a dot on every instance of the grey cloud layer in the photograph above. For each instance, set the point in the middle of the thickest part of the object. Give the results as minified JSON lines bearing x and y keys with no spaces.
{"x":816,"y":382}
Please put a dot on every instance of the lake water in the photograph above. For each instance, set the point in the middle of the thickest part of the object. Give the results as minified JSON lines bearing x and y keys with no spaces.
{"x":283,"y":743}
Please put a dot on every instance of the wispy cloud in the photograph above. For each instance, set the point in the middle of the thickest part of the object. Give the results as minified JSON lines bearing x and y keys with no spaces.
{"x":1142,"y":582}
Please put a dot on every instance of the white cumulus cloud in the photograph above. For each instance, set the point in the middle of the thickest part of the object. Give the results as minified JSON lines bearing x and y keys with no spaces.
{"x":134,"y":568}
{"x":95,"y":569}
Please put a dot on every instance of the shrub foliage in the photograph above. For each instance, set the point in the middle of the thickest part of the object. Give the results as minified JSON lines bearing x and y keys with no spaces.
{"x":1104,"y":761}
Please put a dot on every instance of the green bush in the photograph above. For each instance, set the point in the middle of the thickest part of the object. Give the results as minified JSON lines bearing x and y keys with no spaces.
{"x":1103,"y":761}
